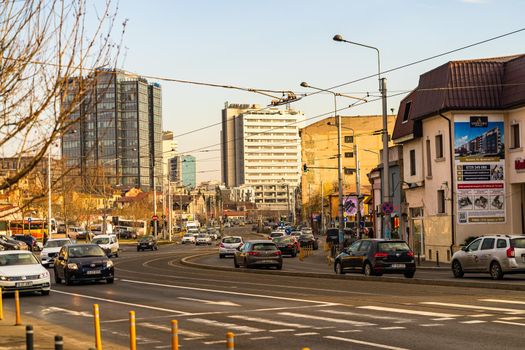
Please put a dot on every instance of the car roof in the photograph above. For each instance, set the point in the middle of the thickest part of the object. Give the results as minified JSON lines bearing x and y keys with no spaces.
{"x":259,"y":241}
{"x":58,"y":239}
{"x":105,"y":236}
{"x":232,"y":237}
{"x":82,"y":245}
{"x":4,"y":252}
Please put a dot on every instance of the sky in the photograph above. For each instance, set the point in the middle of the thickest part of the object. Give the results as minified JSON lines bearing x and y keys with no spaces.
{"x":277,"y":44}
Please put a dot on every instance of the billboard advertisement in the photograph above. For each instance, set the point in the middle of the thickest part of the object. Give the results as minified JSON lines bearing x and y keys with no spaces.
{"x":350,"y":206}
{"x":479,"y":165}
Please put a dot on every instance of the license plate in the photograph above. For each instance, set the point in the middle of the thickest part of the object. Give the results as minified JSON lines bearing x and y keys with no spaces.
{"x":24,"y":284}
{"x":93,"y":272}
{"x":398,"y":266}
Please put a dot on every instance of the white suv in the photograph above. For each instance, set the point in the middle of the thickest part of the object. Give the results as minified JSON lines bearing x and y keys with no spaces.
{"x":188,"y":238}
{"x":496,"y":254}
{"x":109,"y":243}
{"x":229,"y":245}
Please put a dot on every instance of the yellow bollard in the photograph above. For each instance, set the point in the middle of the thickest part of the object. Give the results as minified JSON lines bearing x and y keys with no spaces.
{"x":132,"y":331}
{"x":230,"y":343}
{"x":301,"y":254}
{"x":96,"y":317}
{"x":306,"y":348}
{"x":1,"y":306}
{"x":18,"y":322}
{"x":174,"y":335}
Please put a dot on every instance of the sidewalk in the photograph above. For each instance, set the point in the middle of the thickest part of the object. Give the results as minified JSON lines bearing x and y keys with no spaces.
{"x":13,"y":337}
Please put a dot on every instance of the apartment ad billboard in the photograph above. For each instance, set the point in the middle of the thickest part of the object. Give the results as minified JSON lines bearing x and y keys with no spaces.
{"x":479,"y":167}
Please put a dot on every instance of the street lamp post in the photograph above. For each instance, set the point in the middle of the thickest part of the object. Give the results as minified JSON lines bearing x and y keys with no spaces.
{"x":382,"y":90}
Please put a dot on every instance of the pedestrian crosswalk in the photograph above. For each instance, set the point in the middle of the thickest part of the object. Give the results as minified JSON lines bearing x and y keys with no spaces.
{"x":347,"y":324}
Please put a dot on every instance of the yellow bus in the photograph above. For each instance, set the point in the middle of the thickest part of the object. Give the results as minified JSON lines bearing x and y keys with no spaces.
{"x":35,"y":227}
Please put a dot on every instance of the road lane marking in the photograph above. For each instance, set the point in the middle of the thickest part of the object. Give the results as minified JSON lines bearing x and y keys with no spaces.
{"x":230,"y":326}
{"x":375,"y":317}
{"x":431,"y":324}
{"x":327,"y":319}
{"x":511,"y":323}
{"x":215,"y":342}
{"x":67,"y":311}
{"x":361,"y":342}
{"x":406,"y":311}
{"x":122,"y":302}
{"x":503,"y":301}
{"x":261,"y":338}
{"x":218,"y":291}
{"x":168,"y":329}
{"x":473,"y":322}
{"x":443,"y":319}
{"x":480,"y":315}
{"x":210,"y":302}
{"x":511,"y":318}
{"x":293,"y":307}
{"x":281,"y":330}
{"x":267,"y":321}
{"x":476,"y":307}
{"x":391,"y":328}
{"x":350,"y":331}
{"x":305,"y":334}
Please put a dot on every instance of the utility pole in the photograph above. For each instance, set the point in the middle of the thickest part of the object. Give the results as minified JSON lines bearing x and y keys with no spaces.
{"x":322,"y":207}
{"x":49,"y":212}
{"x":386,"y":170}
{"x":357,"y":189}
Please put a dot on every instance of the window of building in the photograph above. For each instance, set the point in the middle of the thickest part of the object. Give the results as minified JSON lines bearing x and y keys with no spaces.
{"x":348,"y":171}
{"x":349,"y":139}
{"x":439,"y":146}
{"x":349,"y":154}
{"x":428,"y":160}
{"x":412,"y":162}
{"x":441,"y":201}
{"x":515,"y":136}
{"x":407,"y":111}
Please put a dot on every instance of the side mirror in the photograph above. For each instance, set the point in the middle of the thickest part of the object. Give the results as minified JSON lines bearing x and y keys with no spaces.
{"x":61,"y":258}
{"x":465,"y":249}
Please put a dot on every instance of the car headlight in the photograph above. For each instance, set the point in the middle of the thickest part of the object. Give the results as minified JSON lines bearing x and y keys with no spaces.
{"x":72,"y":266}
{"x":44,"y":275}
{"x":4,"y":278}
{"x":109,"y":263}
{"x":17,"y":247}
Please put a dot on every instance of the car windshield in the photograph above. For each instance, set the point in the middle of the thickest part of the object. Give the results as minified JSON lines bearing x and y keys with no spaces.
{"x":145,"y":239}
{"x":306,"y":236}
{"x":85,"y":251}
{"x":264,"y":246}
{"x":57,"y":243}
{"x":518,"y":243}
{"x":18,"y":259}
{"x":231,"y":240}
{"x":100,"y":240}
{"x":276,"y":234}
{"x":283,"y":240}
{"x":203,"y":235}
{"x":392,"y":247}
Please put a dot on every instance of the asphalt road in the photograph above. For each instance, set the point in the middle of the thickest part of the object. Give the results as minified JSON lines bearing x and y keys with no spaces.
{"x":280,"y":312}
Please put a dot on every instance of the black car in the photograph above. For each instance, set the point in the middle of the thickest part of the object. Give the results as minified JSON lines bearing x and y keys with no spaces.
{"x":83,"y":262}
{"x":376,"y":257}
{"x":147,"y":242}
{"x":11,"y":244}
{"x":332,"y":236}
{"x":29,"y":240}
{"x":308,"y":240}
{"x":287,"y":245}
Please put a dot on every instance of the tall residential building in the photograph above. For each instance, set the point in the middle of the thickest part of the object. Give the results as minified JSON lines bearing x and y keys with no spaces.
{"x":116,"y":138}
{"x":183,"y":170}
{"x":169,"y":151}
{"x":261,"y":148}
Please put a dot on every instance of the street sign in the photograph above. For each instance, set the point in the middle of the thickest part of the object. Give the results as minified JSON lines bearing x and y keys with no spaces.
{"x":154,"y":217}
{"x":387,"y":208}
{"x":29,"y":219}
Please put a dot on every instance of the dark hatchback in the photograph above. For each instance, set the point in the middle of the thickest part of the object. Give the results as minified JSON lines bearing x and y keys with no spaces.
{"x":147,"y":242}
{"x":374,"y":257}
{"x":287,"y":245}
{"x":308,"y":240}
{"x":83,"y":262}
{"x":29,"y":240}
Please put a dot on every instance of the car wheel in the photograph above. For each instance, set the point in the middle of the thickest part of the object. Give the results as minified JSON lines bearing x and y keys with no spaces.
{"x":221,"y":256}
{"x":279,"y":267}
{"x":235,"y":263}
{"x":45,"y":292}
{"x":294,"y":253}
{"x":367,"y":270}
{"x":457,"y":270}
{"x":495,"y":271}
{"x":409,"y":274}
{"x":116,"y":254}
{"x":67,"y":281}
{"x":58,"y":280}
{"x":339,"y":268}
{"x":138,"y":249}
{"x":110,"y":280}
{"x":156,"y":247}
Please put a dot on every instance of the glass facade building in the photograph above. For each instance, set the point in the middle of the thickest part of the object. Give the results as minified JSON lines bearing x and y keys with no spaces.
{"x":116,"y":136}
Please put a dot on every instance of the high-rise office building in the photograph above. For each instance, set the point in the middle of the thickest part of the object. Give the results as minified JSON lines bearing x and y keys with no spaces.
{"x":169,"y":151}
{"x":116,"y":138}
{"x":183,"y":171}
{"x":261,"y":148}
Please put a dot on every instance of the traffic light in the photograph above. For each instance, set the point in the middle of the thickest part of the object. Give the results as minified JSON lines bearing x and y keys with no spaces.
{"x":305,"y":168}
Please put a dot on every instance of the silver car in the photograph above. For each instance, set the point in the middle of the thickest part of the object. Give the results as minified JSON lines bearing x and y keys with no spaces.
{"x":496,"y":254}
{"x":258,"y":253}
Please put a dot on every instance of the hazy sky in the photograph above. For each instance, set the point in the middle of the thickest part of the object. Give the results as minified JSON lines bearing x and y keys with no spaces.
{"x":277,"y":44}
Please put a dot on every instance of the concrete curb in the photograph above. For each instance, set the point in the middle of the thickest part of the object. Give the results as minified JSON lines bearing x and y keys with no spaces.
{"x":419,"y":281}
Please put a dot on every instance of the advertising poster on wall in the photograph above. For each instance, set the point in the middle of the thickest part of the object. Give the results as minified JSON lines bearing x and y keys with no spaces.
{"x":350,"y":206}
{"x":479,"y":164}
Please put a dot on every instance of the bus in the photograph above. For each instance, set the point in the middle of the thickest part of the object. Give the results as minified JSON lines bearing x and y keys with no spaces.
{"x":139,"y":226}
{"x":34,"y":227}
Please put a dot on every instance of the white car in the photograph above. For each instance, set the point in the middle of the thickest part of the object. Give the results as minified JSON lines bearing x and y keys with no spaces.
{"x":51,"y":249}
{"x":203,"y":238}
{"x":229,"y":245}
{"x":109,"y":243}
{"x":188,"y":238}
{"x":22,"y":271}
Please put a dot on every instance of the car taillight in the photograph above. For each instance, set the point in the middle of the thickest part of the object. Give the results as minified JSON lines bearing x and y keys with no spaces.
{"x":410,"y":254}
{"x":221,"y":245}
{"x":289,"y":245}
{"x":253,"y":253}
{"x":380,"y":255}
{"x":278,"y":252}
{"x":510,"y":252}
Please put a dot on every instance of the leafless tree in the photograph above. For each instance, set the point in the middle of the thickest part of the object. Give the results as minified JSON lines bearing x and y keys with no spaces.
{"x":46,"y":48}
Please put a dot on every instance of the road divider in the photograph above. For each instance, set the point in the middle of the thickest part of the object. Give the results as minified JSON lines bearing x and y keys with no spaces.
{"x":174,"y":335}
{"x":132,"y":331}
{"x":230,"y":341}
{"x":18,"y":321}
{"x":96,"y":321}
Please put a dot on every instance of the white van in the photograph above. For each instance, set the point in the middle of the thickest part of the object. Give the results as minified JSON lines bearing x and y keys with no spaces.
{"x":109,"y":243}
